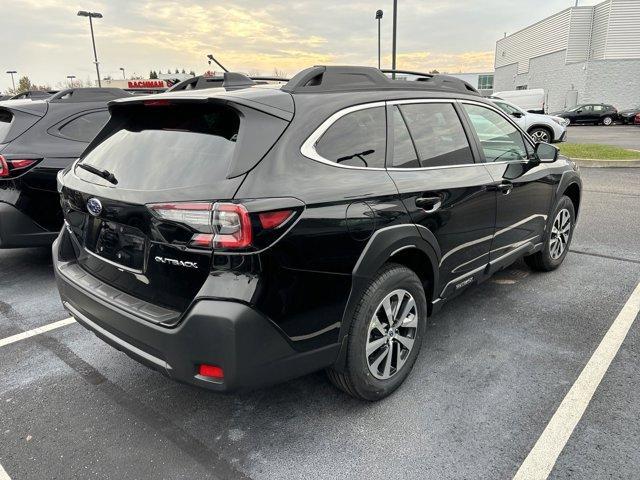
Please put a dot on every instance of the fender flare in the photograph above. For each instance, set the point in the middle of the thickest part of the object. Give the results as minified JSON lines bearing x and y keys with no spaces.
{"x":382,"y":245}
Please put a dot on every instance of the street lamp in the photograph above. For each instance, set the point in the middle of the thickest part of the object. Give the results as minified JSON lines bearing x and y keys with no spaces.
{"x":395,"y":29}
{"x":379,"y":18}
{"x":71,"y":77}
{"x":12,"y":72}
{"x":123,"y":75}
{"x":91,"y":16}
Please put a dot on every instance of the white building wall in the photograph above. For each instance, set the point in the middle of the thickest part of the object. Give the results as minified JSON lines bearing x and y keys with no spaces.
{"x":599,"y":29}
{"x":547,"y":36}
{"x":623,"y":34}
{"x":579,"y":34}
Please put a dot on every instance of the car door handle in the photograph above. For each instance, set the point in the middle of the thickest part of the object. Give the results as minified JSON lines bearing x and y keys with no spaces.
{"x":429,"y":204}
{"x":505,"y":187}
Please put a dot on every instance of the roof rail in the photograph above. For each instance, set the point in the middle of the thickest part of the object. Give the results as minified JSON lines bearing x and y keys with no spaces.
{"x":321,"y":79}
{"x":201,"y":81}
{"x":79,"y":95}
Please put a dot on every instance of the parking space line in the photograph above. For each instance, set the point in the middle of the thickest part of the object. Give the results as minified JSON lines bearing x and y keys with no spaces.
{"x":34,"y":332}
{"x":545,"y":452}
{"x":3,"y":474}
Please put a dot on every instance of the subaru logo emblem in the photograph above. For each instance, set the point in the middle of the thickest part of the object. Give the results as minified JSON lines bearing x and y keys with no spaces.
{"x":94,"y":206}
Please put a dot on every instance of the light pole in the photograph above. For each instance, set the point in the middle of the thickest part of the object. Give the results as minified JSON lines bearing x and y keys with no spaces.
{"x":91,"y":16}
{"x":379,"y":14}
{"x":123,"y":75}
{"x":71,"y":77}
{"x":395,"y":31}
{"x":12,"y":72}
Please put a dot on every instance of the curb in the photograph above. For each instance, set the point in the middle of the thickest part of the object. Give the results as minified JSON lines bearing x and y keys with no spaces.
{"x":592,"y":163}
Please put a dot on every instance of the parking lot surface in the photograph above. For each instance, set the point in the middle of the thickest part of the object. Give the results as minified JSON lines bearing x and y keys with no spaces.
{"x":495,"y":365}
{"x":624,"y":136}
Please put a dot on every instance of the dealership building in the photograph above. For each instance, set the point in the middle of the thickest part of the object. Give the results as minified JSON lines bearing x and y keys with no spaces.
{"x":579,"y":55}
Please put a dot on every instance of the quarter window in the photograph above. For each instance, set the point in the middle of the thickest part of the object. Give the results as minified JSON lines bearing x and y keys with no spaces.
{"x":357,"y":139}
{"x":85,"y":127}
{"x":437,"y":133}
{"x":404,"y":152}
{"x":499,"y":139}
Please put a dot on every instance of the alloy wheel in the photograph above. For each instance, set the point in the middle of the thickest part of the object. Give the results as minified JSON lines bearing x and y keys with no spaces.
{"x":391,"y":334}
{"x":607,"y":121}
{"x":540,"y":136}
{"x":560,"y":232}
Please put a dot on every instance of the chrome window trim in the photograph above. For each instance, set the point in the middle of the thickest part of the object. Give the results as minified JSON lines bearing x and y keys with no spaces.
{"x":308,"y":148}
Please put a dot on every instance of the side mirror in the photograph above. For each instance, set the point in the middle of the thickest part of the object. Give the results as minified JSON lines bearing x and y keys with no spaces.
{"x":517,"y":114}
{"x":578,"y":111}
{"x":546,"y":153}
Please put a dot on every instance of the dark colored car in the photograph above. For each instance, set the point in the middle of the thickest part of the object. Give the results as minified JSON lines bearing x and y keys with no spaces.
{"x":233,"y":238}
{"x":592,"y":113}
{"x":628,"y":116}
{"x":636,"y":120}
{"x":38,"y":139}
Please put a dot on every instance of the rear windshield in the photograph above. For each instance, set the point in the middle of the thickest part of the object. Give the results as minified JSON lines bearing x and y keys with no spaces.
{"x":161,"y":147}
{"x":5,"y":123}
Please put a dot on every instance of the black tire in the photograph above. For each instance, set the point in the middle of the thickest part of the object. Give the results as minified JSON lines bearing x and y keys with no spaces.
{"x":543,"y":260}
{"x":356,"y":379}
{"x":607,"y":121}
{"x":541,"y":134}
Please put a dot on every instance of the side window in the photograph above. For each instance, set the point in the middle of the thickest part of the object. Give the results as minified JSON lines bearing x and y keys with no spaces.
{"x":357,"y":139}
{"x":499,"y":139}
{"x":598,"y":108}
{"x":404,"y":153}
{"x":85,"y":127}
{"x":437,"y":133}
{"x":508,"y":109}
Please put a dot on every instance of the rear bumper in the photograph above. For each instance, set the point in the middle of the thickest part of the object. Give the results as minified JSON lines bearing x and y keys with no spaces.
{"x":248,"y":346}
{"x":18,"y":230}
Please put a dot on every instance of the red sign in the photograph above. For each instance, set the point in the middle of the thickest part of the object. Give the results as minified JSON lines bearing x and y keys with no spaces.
{"x":147,"y":84}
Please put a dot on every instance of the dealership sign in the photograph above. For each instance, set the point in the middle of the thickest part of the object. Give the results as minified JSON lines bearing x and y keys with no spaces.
{"x":147,"y":84}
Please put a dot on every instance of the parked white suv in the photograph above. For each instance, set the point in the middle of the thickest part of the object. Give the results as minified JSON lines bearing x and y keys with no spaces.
{"x":542,"y":128}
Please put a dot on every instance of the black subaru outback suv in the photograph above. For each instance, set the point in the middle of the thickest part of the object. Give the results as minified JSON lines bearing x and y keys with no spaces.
{"x":38,"y":138}
{"x":241,"y":236}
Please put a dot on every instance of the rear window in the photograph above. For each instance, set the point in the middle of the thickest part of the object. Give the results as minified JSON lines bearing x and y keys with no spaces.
{"x":6,"y":117}
{"x":154,"y":148}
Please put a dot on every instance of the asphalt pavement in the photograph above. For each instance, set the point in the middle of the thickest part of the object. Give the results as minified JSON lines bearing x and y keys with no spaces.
{"x":495,"y":365}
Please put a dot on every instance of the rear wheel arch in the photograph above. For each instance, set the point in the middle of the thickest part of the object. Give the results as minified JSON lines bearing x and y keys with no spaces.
{"x":401,"y":244}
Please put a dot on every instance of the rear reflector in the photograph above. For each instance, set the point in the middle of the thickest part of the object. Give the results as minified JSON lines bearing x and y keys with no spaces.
{"x":211,"y":371}
{"x":270,"y":220}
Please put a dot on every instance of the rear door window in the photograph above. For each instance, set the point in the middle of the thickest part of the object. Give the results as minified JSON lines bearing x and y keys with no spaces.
{"x":404,"y":152}
{"x":155,"y":148}
{"x":438,"y":134}
{"x":85,"y":127}
{"x":356,"y":139}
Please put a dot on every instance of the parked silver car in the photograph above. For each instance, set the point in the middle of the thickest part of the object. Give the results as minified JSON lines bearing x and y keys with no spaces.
{"x":542,"y":128}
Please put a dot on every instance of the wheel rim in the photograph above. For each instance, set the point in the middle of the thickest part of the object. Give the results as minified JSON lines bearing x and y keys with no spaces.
{"x":540,"y":136}
{"x":391,"y":334}
{"x":568,"y":121}
{"x":607,"y":121}
{"x":560,"y":232}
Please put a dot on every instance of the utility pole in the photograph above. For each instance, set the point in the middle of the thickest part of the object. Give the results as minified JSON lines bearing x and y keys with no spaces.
{"x":395,"y":32}
{"x":124,"y":77}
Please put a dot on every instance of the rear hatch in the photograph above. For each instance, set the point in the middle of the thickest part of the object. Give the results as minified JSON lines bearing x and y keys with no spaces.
{"x":140,"y":200}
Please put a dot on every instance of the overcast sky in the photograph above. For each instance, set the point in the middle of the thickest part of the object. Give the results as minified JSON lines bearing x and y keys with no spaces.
{"x":45,"y":40}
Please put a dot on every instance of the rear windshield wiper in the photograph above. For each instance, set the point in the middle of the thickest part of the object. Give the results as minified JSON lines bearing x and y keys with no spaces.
{"x":107,"y":175}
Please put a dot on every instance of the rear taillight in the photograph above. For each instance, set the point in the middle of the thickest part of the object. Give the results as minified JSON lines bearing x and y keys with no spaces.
{"x":272,"y":220}
{"x":14,"y":167}
{"x":231,"y":226}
